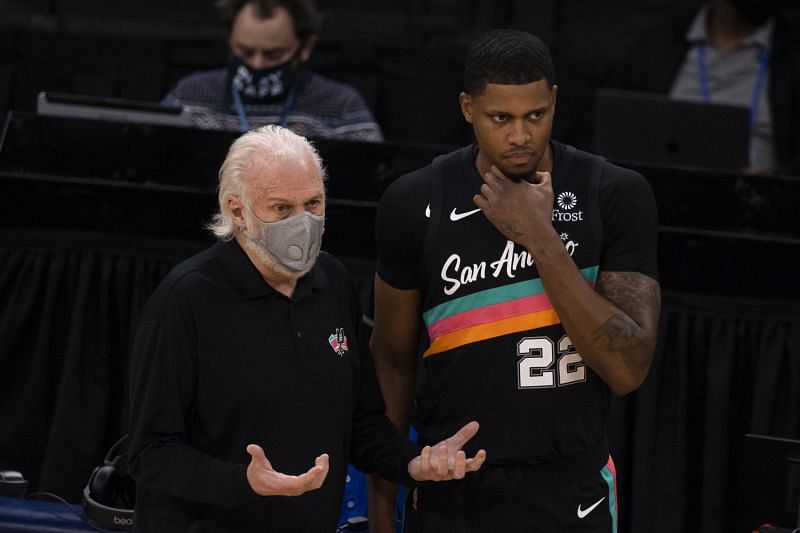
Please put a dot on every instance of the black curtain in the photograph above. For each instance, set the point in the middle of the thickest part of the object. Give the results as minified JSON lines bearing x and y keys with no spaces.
{"x":69,"y":302}
{"x":723,"y":367}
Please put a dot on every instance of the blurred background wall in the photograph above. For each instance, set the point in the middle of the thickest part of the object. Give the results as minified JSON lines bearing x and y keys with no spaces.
{"x":405,"y":56}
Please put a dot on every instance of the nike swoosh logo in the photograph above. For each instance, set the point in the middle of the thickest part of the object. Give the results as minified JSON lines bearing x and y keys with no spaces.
{"x":583,"y":512}
{"x":455,"y":217}
{"x":428,"y":211}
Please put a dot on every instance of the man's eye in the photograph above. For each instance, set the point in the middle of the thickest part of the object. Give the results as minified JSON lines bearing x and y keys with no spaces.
{"x":499,"y":118}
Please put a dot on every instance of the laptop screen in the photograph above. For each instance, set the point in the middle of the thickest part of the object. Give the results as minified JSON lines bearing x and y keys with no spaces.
{"x":112,"y":109}
{"x":652,"y":128}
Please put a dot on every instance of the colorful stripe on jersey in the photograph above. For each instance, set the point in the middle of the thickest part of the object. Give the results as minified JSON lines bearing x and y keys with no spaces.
{"x":521,"y":306}
{"x":609,"y":473}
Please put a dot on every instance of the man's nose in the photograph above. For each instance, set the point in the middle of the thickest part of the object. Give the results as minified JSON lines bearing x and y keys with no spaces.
{"x":257,"y":62}
{"x":518,"y":133}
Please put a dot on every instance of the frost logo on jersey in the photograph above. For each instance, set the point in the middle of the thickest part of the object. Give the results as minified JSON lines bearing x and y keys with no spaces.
{"x":566,"y":201}
{"x":338,"y":341}
{"x":454,"y":274}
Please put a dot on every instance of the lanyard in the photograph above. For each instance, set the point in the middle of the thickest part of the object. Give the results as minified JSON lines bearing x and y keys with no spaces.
{"x":244,"y":124}
{"x":763,"y":64}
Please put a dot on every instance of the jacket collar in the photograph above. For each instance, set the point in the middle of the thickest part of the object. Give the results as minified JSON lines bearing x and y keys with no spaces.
{"x":245,"y":277}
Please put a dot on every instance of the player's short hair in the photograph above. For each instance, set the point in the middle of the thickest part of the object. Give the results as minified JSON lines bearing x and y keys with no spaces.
{"x":507,"y":57}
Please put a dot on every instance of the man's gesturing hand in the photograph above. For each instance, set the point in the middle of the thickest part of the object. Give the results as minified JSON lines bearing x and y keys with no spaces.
{"x":446,"y":460}
{"x":265,"y":481}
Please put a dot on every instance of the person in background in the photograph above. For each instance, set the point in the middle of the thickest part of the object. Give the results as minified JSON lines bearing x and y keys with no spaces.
{"x":532,"y":267}
{"x":250,"y":392}
{"x":266,"y":80}
{"x":737,"y":52}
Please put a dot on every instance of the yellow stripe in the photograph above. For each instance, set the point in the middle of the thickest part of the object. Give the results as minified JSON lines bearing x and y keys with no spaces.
{"x":525,"y":322}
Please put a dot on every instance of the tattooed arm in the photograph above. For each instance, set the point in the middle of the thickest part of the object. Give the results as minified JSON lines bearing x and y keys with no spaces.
{"x":632,"y":332}
{"x":614,"y":327}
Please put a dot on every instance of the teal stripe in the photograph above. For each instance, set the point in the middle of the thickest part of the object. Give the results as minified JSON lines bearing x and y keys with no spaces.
{"x":497,"y":295}
{"x":612,"y":496}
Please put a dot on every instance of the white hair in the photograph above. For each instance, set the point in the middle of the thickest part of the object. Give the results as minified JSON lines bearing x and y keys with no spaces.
{"x":267,"y":142}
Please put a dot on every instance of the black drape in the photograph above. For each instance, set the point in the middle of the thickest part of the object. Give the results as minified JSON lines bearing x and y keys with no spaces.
{"x":69,"y":301}
{"x":723,"y":367}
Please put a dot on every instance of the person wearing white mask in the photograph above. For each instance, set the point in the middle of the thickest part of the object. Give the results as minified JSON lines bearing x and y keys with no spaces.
{"x":266,"y":80}
{"x":250,"y":392}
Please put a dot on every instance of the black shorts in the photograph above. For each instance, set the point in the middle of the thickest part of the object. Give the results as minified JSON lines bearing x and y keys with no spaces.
{"x":574,"y":494}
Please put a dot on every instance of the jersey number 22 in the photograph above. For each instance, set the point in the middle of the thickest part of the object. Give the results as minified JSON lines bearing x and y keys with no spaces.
{"x":538,"y":367}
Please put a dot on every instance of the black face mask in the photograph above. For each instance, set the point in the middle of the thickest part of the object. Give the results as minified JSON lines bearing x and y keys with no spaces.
{"x":756,"y":11}
{"x":261,"y":86}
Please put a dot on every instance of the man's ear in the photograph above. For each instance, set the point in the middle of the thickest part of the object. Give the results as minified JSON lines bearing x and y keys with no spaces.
{"x":236,"y":208}
{"x":306,"y":48}
{"x":465,"y":101}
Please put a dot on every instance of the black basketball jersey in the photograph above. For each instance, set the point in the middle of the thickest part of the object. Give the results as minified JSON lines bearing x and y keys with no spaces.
{"x":496,"y":351}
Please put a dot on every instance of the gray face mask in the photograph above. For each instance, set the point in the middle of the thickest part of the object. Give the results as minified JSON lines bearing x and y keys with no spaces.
{"x":294,"y":242}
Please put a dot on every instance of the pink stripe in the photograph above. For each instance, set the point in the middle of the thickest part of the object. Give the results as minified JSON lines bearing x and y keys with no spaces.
{"x":613,"y":469}
{"x":489,"y":313}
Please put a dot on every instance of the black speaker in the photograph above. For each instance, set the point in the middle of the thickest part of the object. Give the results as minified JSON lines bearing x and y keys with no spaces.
{"x":110,"y":493}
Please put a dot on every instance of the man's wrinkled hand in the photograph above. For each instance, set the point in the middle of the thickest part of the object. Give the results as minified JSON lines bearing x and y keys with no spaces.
{"x":266,"y":481}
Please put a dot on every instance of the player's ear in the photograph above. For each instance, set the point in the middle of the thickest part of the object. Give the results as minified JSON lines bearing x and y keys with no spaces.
{"x":465,"y":101}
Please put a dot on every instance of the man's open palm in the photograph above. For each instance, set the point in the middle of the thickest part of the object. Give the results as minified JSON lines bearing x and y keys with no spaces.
{"x":266,"y":481}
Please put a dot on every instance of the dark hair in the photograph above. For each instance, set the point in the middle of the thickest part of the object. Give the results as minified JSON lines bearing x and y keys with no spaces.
{"x":306,"y":17}
{"x":508,"y":57}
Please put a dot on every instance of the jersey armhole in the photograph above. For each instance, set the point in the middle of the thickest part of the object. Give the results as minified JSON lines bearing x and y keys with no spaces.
{"x":434,"y":212}
{"x":594,"y":193}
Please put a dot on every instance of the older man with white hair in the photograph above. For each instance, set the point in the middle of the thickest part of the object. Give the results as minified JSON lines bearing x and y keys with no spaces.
{"x":249,"y":391}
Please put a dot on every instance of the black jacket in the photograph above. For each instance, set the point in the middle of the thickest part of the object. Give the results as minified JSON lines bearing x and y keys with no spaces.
{"x":221,"y":360}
